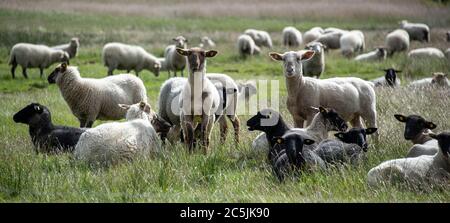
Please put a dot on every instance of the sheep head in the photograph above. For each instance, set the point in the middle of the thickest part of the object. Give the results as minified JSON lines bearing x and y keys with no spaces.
{"x":60,"y":69}
{"x":440,"y":79}
{"x":415,"y":125}
{"x":391,"y":76}
{"x":292,"y":61}
{"x":443,"y":141}
{"x":356,"y":136}
{"x":32,"y":114}
{"x":196,"y":58}
{"x":333,"y":120}
{"x":180,"y":41}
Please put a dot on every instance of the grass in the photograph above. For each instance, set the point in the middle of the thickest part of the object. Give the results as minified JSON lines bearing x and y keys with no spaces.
{"x":230,"y":173}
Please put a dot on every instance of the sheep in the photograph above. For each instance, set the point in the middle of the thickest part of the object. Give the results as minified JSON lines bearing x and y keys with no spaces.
{"x":352,"y":42}
{"x":397,"y":41}
{"x":199,"y":98}
{"x":416,"y":128}
{"x":417,"y":171}
{"x":261,"y":38}
{"x":351,"y":98}
{"x":246,"y":46}
{"x":46,"y":136}
{"x":389,"y":79}
{"x":292,"y":37}
{"x":312,"y":34}
{"x":71,"y":48}
{"x":426,"y":53}
{"x":206,"y":42}
{"x":34,"y":56}
{"x":416,"y":31}
{"x":174,"y":61}
{"x":378,"y":54}
{"x":333,"y":30}
{"x":438,"y":80}
{"x":315,"y":66}
{"x":447,"y":54}
{"x":330,"y":40}
{"x":91,"y":99}
{"x":115,"y":142}
{"x":129,"y":57}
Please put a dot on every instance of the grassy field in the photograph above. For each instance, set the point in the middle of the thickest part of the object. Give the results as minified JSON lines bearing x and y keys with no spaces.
{"x":229,"y":173}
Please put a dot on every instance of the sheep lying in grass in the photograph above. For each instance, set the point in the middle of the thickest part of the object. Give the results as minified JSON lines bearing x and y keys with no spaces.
{"x":174,"y":61}
{"x":206,"y":42}
{"x":292,"y":37}
{"x":261,"y":38}
{"x":378,"y":54}
{"x":129,"y":57}
{"x":315,"y":66}
{"x":71,"y":48}
{"x":45,"y":136}
{"x":426,"y":53}
{"x":312,"y":34}
{"x":111,"y":143}
{"x":416,"y":31}
{"x":352,"y":42}
{"x":34,"y":56}
{"x":389,"y":79}
{"x":246,"y":46}
{"x":397,"y":41}
{"x":416,"y":128}
{"x":90,"y":99}
{"x":415,"y":171}
{"x":438,"y":80}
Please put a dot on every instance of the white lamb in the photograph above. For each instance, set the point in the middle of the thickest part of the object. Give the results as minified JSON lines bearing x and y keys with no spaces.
{"x":111,"y":143}
{"x":378,"y":54}
{"x":416,"y":31}
{"x":206,"y":42}
{"x":90,"y":99}
{"x":315,"y":66}
{"x":71,"y":48}
{"x":330,"y":40}
{"x":312,"y":34}
{"x":174,"y":61}
{"x":261,"y":38}
{"x":129,"y":57}
{"x":352,"y":42}
{"x":34,"y":56}
{"x":292,"y":37}
{"x":438,"y":80}
{"x":426,"y":53}
{"x":246,"y":46}
{"x":397,"y":41}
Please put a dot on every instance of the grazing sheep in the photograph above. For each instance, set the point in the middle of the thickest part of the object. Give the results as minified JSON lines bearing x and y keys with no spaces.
{"x":416,"y":128}
{"x":416,"y":171}
{"x":261,"y":38}
{"x":351,"y":98}
{"x":397,"y":41}
{"x":34,"y":56}
{"x":330,"y":40}
{"x":199,"y":99}
{"x":45,"y":136}
{"x":71,"y":48}
{"x":246,"y":46}
{"x":111,"y":143}
{"x":312,"y":34}
{"x":416,"y":31}
{"x":426,"y":53}
{"x":292,"y":37}
{"x":129,"y":57}
{"x":206,"y":42}
{"x":315,"y":66}
{"x":438,"y":80}
{"x":174,"y":61}
{"x":334,"y":30}
{"x":352,"y":42}
{"x":378,"y":54}
{"x":389,"y":79}
{"x":90,"y":99}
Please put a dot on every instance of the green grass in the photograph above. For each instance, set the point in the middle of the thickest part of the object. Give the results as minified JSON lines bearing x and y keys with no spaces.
{"x":229,"y":173}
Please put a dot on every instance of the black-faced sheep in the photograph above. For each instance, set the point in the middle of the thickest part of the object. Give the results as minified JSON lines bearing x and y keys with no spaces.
{"x":389,"y":79}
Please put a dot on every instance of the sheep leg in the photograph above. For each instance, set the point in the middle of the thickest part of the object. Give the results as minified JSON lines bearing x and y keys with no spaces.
{"x":128,"y":71}
{"x":204,"y":133}
{"x":82,"y":123}
{"x":41,"y":70}
{"x":236,"y":126}
{"x":13,"y":69}
{"x":24,"y":72}
{"x":182,"y":73}
{"x":188,"y":131}
{"x":89,"y":124}
{"x":110,"y":71}
{"x":223,"y":129}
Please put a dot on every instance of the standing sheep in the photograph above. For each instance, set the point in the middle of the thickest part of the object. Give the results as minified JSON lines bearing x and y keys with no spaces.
{"x":426,"y":53}
{"x":315,"y":66}
{"x":438,"y":80}
{"x":389,"y":79}
{"x":174,"y":61}
{"x":292,"y":37}
{"x":330,"y":40}
{"x":91,"y":99}
{"x":416,"y":31}
{"x":71,"y":48}
{"x":378,"y":54}
{"x":246,"y":46}
{"x":128,"y":57}
{"x":34,"y":56}
{"x":261,"y":38}
{"x":352,"y":42}
{"x":312,"y":34}
{"x":397,"y":41}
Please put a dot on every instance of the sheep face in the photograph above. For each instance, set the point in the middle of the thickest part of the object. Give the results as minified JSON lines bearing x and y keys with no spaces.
{"x":56,"y":73}
{"x":315,"y":46}
{"x":414,"y":125}
{"x":443,"y":141}
{"x":292,"y":61}
{"x":196,"y":57}
{"x":265,"y":120}
{"x":356,"y":136}
{"x":440,"y":79}
{"x":333,"y":119}
{"x":293,"y":144}
{"x":32,"y":114}
{"x":180,"y":42}
{"x":391,"y":76}
{"x":382,"y":52}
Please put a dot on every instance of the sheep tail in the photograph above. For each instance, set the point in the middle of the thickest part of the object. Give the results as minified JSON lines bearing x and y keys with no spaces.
{"x":12,"y":59}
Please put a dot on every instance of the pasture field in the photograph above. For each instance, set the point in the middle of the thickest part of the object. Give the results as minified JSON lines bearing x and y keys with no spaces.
{"x":230,"y":173}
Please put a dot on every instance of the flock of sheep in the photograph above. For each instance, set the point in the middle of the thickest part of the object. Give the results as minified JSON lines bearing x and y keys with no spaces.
{"x":189,"y":107}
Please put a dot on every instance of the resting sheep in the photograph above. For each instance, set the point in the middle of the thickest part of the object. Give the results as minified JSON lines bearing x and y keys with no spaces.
{"x":174,"y":61}
{"x":292,"y":37}
{"x":426,"y":53}
{"x":315,"y":66}
{"x":378,"y":54}
{"x":352,"y":42}
{"x":246,"y":46}
{"x":90,"y":99}
{"x":397,"y":41}
{"x":71,"y":48}
{"x":416,"y":31}
{"x":389,"y":79}
{"x":206,"y":42}
{"x":312,"y":34}
{"x":438,"y":80}
{"x":261,"y":38}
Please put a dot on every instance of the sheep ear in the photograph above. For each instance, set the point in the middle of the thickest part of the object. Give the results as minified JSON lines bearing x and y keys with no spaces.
{"x":340,"y":135}
{"x":308,"y":141}
{"x":183,"y":52}
{"x":124,"y":106}
{"x":400,"y":118}
{"x":63,"y":67}
{"x":211,"y":53}
{"x":307,"y":55}
{"x":371,"y":130}
{"x":276,"y":56}
{"x":278,"y":140}
{"x":430,"y":125}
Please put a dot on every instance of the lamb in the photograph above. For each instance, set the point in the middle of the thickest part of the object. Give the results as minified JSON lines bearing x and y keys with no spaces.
{"x":330,"y":40}
{"x":292,"y":37}
{"x":174,"y":61}
{"x":378,"y":54}
{"x":129,"y":57}
{"x":416,"y":128}
{"x":199,"y":98}
{"x":71,"y":48}
{"x":397,"y":41}
{"x":206,"y":42}
{"x":352,"y":42}
{"x":312,"y":34}
{"x":90,"y":99}
{"x":115,"y":142}
{"x":315,"y":66}
{"x":261,"y":38}
{"x":351,"y":98}
{"x":438,"y":80}
{"x":389,"y":79}
{"x":46,"y":136}
{"x":246,"y":46}
{"x":416,"y":31}
{"x":34,"y":56}
{"x":416,"y":171}
{"x":426,"y":53}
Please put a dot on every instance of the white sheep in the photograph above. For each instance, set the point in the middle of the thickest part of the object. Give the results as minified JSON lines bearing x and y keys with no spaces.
{"x":389,"y":79}
{"x":71,"y":48}
{"x":90,"y":99}
{"x":206,"y":42}
{"x":129,"y":57}
{"x":378,"y":54}
{"x":34,"y":56}
{"x":246,"y":46}
{"x":438,"y":79}
{"x":333,"y":30}
{"x":174,"y":61}
{"x":447,"y":54}
{"x":416,"y":31}
{"x":330,"y":40}
{"x":416,"y":171}
{"x":352,"y":42}
{"x":111,"y":143}
{"x":292,"y":37}
{"x":315,"y":66}
{"x":312,"y":34}
{"x":261,"y":38}
{"x":397,"y":41}
{"x":426,"y":53}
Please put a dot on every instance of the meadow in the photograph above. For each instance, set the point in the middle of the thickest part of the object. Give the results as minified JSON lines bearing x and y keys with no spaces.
{"x":230,"y":173}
